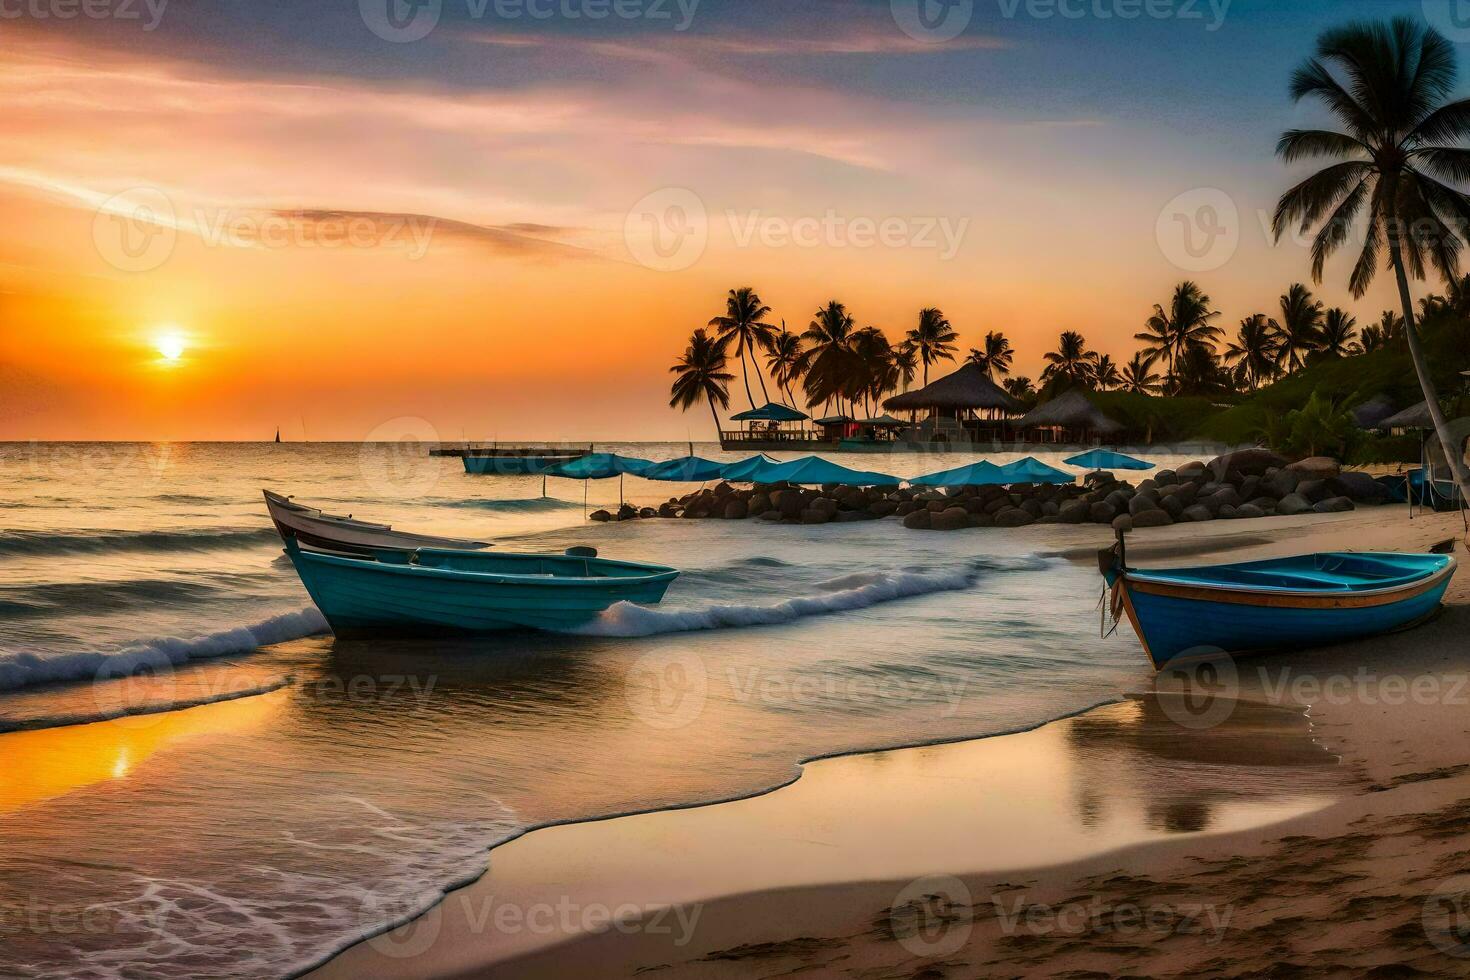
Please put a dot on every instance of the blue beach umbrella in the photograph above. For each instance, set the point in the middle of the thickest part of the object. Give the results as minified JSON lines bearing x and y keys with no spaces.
{"x":600,"y":466}
{"x":979,"y":474}
{"x":1106,"y":459}
{"x":686,"y":469}
{"x":748,"y":470}
{"x":815,"y":469}
{"x":1033,"y":470}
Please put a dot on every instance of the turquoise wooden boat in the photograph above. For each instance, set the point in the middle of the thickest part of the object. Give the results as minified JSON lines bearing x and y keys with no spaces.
{"x":434,"y":591}
{"x":1280,"y":603}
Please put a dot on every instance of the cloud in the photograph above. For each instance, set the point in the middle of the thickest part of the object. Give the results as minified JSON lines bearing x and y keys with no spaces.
{"x":521,"y":239}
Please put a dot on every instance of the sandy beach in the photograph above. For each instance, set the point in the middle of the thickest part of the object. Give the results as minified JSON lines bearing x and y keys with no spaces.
{"x":1304,"y":817}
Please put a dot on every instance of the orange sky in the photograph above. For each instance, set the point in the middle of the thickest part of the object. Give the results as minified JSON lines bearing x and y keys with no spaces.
{"x":492,"y":286}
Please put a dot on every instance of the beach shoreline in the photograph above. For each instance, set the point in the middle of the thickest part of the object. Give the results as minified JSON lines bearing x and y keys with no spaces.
{"x":834,"y":928}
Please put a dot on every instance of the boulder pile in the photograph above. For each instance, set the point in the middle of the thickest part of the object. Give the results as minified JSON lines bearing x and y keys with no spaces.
{"x":1249,"y":483}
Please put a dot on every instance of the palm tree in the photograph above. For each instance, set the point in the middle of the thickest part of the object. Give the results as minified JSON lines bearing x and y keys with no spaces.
{"x":933,"y":338}
{"x":1255,"y":348}
{"x":1300,"y":327}
{"x":1399,"y":148}
{"x":784,"y":361}
{"x":827,"y":363}
{"x":906,"y":361}
{"x":1187,"y":321}
{"x":744,"y":322}
{"x":1339,"y":328}
{"x":1138,"y":375}
{"x":1071,"y":360}
{"x":701,"y":374}
{"x":1019,"y":387}
{"x":1198,"y":371}
{"x":996,"y":357}
{"x":873,"y":370}
{"x":1105,"y":373}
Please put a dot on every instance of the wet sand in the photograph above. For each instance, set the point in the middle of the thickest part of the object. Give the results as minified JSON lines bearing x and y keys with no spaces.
{"x":1308,"y":818}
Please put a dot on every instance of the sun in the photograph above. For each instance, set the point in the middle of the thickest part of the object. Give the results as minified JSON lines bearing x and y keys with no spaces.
{"x":170,"y":346}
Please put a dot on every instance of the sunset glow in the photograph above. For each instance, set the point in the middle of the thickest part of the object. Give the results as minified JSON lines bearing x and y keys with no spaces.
{"x":444,"y":229}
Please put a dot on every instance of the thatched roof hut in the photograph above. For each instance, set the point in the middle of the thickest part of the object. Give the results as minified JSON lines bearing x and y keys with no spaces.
{"x":967,"y":388}
{"x":1413,"y":417}
{"x":1070,"y":410}
{"x":1373,"y":411}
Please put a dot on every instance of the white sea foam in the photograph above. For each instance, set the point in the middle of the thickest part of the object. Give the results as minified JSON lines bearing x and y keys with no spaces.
{"x":855,"y":591}
{"x":24,"y":669}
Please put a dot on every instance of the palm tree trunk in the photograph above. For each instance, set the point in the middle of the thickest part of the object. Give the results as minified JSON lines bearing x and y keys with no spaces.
{"x":760,"y":377}
{"x":715,"y":417}
{"x":745,"y":376}
{"x":1426,"y":383}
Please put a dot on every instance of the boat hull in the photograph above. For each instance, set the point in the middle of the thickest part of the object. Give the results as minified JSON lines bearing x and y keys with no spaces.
{"x":1176,"y":623}
{"x":367,"y":598}
{"x":314,"y":529}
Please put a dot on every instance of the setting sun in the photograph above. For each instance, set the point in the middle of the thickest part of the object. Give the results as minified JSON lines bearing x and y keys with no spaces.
{"x":170,"y":346}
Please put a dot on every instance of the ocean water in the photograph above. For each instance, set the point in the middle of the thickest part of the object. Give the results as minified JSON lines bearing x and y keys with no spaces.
{"x":196,"y":780}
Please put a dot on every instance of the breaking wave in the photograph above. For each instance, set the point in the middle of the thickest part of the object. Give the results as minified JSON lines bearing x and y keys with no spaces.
{"x":19,"y":670}
{"x":856,"y":591}
{"x":19,"y":543}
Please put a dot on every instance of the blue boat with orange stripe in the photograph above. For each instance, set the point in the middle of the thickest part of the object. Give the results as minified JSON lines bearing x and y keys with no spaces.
{"x":1278,"y":603}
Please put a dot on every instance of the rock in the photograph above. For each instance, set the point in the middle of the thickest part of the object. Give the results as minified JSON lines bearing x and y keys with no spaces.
{"x":1123,"y":522}
{"x":1102,"y":512}
{"x":1249,"y":510}
{"x":982,"y":519}
{"x":917,"y":520}
{"x":1014,"y":517}
{"x":851,"y":516}
{"x":1227,"y":513}
{"x":1165,"y":478}
{"x":814,"y":516}
{"x":1249,"y":487}
{"x":1316,"y":467}
{"x":627,"y":512}
{"x":788,"y":502}
{"x":1119,"y":499}
{"x":1143,"y":501}
{"x":1198,"y":512}
{"x":759,"y":503}
{"x":600,"y":515}
{"x":1333,"y":505}
{"x":1280,"y":482}
{"x":1360,"y":487}
{"x":647,"y":512}
{"x":950,"y":520}
{"x":1292,"y":504}
{"x":1173,"y":506}
{"x":1191,"y":471}
{"x":769,"y":515}
{"x":1314,"y":491}
{"x":1074,"y":512}
{"x":736,"y":510}
{"x":938,"y":506}
{"x":882,"y":508}
{"x":908,"y":507}
{"x":1033,"y":507}
{"x":669,"y":510}
{"x":1152,"y":518}
{"x":826,"y":505}
{"x":1245,"y":462}
{"x":1225,"y":495}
